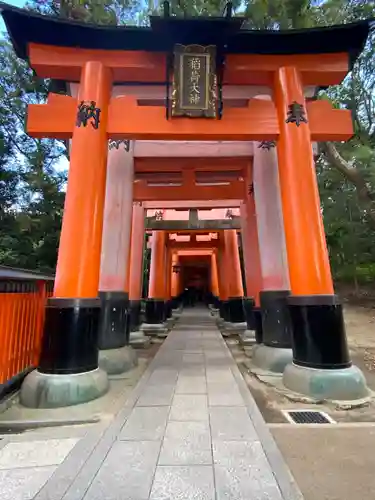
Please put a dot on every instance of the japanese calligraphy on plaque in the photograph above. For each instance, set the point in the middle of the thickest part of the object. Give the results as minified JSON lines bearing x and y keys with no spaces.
{"x":194,"y":81}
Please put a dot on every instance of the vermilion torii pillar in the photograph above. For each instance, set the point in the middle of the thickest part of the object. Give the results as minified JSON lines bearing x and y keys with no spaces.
{"x":321,"y":363}
{"x":230,"y":282}
{"x":223,"y":278}
{"x":175,"y":280}
{"x":276,"y":352}
{"x":168,"y":286}
{"x":235,"y":322}
{"x":115,"y":355}
{"x":214,"y":280}
{"x":155,"y":304}
{"x":253,"y":273}
{"x":72,"y":316}
{"x":136,"y":265}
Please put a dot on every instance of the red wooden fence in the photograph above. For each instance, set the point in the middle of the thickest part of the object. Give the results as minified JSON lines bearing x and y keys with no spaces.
{"x":22,"y":306}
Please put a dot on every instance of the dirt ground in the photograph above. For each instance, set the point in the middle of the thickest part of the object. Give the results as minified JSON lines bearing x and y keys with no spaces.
{"x":360,"y":327}
{"x":335,"y":463}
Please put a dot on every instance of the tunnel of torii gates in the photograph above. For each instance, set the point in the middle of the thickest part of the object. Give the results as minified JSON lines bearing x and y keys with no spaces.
{"x":190,"y":113}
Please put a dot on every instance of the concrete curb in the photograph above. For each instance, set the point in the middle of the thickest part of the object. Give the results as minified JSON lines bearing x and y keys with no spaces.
{"x":21,"y":425}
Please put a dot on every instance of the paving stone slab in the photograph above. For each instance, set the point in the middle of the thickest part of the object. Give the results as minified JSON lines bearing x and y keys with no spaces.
{"x":145,"y":424}
{"x":23,"y":483}
{"x":103,"y":443}
{"x":183,"y":483}
{"x":186,"y":443}
{"x":193,"y":358}
{"x":194,"y":351}
{"x":215,"y":360}
{"x":191,"y":385}
{"x":219,"y":374}
{"x":186,"y":407}
{"x":231,"y":423}
{"x":211,"y":345}
{"x":35,"y":453}
{"x":161,"y":395}
{"x":197,"y":370}
{"x":126,"y":473}
{"x":163,"y":377}
{"x":225,"y":399}
{"x":168,"y":362}
{"x":67,"y":472}
{"x":194,"y":346}
{"x":226,"y":394}
{"x":214,"y":351}
{"x":242,"y":472}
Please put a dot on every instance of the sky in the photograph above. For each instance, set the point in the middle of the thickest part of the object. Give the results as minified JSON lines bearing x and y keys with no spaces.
{"x":17,"y":3}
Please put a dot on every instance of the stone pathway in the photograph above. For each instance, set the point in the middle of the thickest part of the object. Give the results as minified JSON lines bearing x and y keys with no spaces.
{"x":190,"y":430}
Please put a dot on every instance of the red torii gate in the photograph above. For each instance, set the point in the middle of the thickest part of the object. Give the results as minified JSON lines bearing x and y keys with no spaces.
{"x":99,"y":59}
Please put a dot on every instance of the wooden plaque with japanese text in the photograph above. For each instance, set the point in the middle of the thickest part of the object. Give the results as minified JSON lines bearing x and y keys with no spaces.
{"x":194,"y":82}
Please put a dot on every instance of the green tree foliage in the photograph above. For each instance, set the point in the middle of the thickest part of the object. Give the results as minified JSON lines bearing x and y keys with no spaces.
{"x":31,"y":189}
{"x":95,"y":12}
{"x":195,"y":7}
{"x":355,"y":159}
{"x":299,"y":14}
{"x":350,"y":236}
{"x":31,"y":197}
{"x":88,"y":11}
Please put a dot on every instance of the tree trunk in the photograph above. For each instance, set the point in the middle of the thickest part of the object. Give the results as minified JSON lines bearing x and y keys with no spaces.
{"x":354,"y":176}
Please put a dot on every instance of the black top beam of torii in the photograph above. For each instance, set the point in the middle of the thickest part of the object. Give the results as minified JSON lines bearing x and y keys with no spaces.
{"x":25,"y":26}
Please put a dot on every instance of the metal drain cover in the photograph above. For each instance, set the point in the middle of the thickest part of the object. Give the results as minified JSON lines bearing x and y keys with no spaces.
{"x":307,"y":417}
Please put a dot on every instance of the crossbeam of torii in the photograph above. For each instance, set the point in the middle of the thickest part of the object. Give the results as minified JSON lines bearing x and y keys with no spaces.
{"x":258,"y":121}
{"x":187,"y":204}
